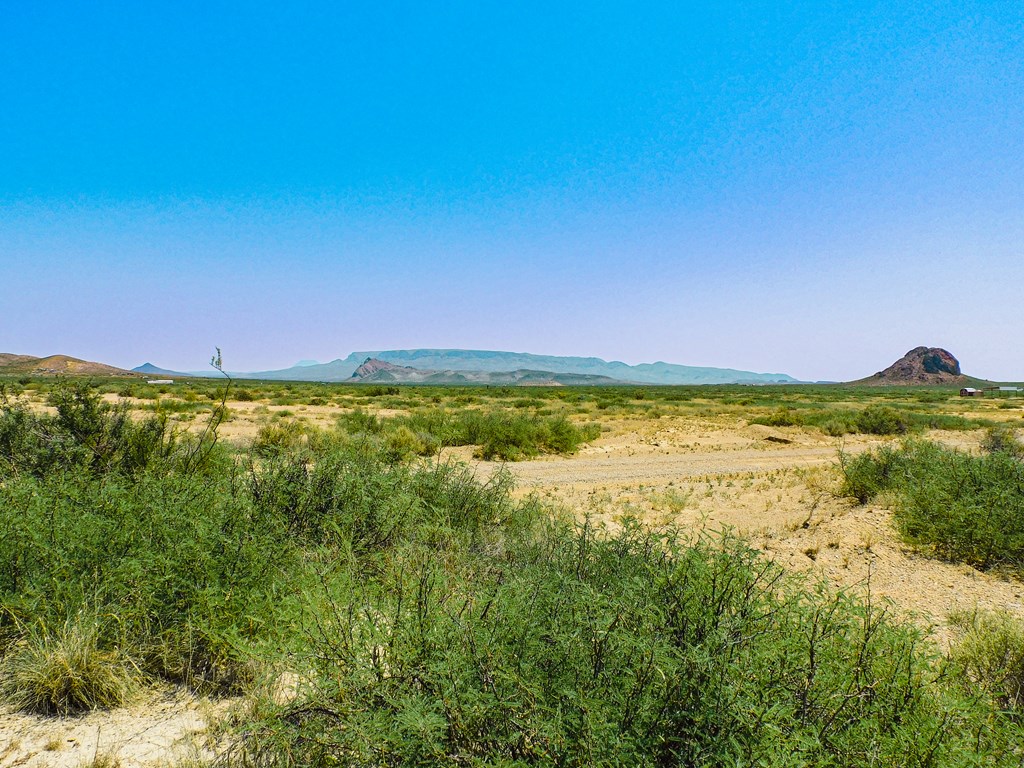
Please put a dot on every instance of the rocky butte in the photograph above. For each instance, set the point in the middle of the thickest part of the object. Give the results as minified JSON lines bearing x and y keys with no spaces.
{"x":921,"y":365}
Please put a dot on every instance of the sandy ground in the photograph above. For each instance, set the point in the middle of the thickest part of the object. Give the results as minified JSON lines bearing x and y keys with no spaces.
{"x":776,"y":486}
{"x":160,"y":729}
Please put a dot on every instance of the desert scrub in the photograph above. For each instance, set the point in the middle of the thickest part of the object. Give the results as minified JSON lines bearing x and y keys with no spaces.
{"x":89,"y":435}
{"x":194,"y":568}
{"x":876,"y":419}
{"x":577,"y":647}
{"x":957,"y":506}
{"x":505,"y":435}
{"x":146,"y":531}
{"x":512,"y":437}
{"x":869,"y":474}
{"x":168,"y":560}
{"x":402,"y":444}
{"x":279,"y":436}
{"x":358,"y":421}
{"x":361,"y":498}
{"x":1003,"y":438}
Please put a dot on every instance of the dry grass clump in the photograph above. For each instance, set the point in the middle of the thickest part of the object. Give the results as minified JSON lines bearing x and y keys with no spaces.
{"x":65,"y":672}
{"x":105,"y":760}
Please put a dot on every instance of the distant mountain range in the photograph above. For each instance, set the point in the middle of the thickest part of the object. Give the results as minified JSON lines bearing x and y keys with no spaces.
{"x":476,"y":362}
{"x":921,"y":365}
{"x":379,"y":371}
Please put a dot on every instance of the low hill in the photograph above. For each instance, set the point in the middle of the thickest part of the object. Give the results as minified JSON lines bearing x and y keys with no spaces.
{"x":11,"y":362}
{"x":55,"y":365}
{"x":921,"y":366}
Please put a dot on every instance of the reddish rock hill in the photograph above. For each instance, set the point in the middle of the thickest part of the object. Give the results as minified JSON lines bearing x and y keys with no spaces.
{"x":55,"y":365}
{"x":921,"y":365}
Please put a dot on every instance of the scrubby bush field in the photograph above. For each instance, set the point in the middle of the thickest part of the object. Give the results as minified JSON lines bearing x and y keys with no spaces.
{"x":383,"y":607}
{"x":501,"y":435}
{"x":959,"y":506}
{"x":529,"y":416}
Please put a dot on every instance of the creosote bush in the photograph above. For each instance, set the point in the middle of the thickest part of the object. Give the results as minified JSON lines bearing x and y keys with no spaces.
{"x":869,"y":474}
{"x":88,"y":435}
{"x":1002,"y":438}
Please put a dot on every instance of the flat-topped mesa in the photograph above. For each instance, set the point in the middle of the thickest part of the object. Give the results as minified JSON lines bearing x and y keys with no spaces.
{"x":377,"y":371}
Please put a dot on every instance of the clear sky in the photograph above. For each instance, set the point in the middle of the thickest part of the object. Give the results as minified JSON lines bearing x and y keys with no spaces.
{"x":801,"y":187}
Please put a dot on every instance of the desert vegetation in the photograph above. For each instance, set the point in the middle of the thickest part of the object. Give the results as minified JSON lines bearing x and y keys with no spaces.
{"x":372,"y":600}
{"x":968,"y":508}
{"x":872,"y":420}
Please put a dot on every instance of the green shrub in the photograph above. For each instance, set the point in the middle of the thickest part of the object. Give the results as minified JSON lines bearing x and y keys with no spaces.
{"x":168,"y":560}
{"x":943,"y":421}
{"x":990,"y":653}
{"x":91,"y":436}
{"x":193,"y":571}
{"x":838,"y":426}
{"x":882,"y":420}
{"x":361,"y":498}
{"x":512,"y":437}
{"x":278,"y":436}
{"x":499,"y":435}
{"x":505,"y":437}
{"x":629,"y":649}
{"x":869,"y":474}
{"x":784,"y":417}
{"x":401,"y":444}
{"x":935,"y":396}
{"x":204,"y":656}
{"x":378,"y":391}
{"x":1002,"y":438}
{"x":873,"y":420}
{"x":957,"y":506}
{"x":359,"y":421}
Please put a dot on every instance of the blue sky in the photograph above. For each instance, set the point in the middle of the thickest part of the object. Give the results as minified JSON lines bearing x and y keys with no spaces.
{"x":812,"y":188}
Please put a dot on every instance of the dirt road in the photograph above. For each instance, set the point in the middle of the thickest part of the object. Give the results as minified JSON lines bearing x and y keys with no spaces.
{"x":657,"y":469}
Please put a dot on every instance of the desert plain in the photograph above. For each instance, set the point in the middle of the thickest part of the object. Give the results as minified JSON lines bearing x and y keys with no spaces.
{"x":698,"y":459}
